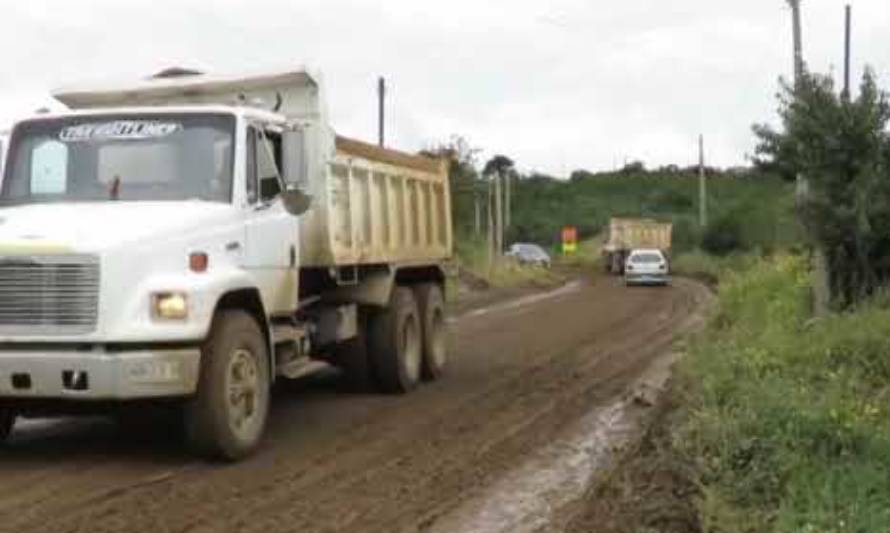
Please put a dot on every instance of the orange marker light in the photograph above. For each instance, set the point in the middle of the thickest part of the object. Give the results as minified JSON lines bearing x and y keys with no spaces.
{"x":198,"y":262}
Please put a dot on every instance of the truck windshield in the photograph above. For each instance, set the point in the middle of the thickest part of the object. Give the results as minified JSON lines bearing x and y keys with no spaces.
{"x":126,"y":157}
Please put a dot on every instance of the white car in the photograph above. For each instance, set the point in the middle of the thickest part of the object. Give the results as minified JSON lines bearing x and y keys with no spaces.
{"x":529,"y":254}
{"x":646,"y":267}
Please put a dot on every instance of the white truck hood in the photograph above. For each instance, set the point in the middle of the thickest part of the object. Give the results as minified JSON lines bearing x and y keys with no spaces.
{"x":94,"y":227}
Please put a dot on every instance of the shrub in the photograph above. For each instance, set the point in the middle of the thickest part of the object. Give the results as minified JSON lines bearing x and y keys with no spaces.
{"x":723,"y":236}
{"x":842,"y":147}
{"x":785,"y":419}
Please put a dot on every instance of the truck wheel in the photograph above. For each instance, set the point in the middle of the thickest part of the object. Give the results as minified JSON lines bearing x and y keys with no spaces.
{"x":431,"y":305}
{"x":7,"y":421}
{"x":226,"y":418}
{"x":395,"y":341}
{"x":617,"y":264}
{"x":352,"y":358}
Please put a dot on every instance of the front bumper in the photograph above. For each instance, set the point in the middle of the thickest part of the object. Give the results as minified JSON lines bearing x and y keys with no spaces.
{"x":647,"y":279}
{"x":98,"y":374}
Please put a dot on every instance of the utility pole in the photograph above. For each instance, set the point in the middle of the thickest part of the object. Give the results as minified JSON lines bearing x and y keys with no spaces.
{"x":508,"y":193}
{"x":477,"y":226}
{"x":499,"y":214}
{"x":798,"y":39}
{"x":847,"y":46}
{"x":702,"y":185}
{"x":821,"y":288}
{"x":798,"y":73}
{"x":491,"y":239}
{"x":381,"y":110}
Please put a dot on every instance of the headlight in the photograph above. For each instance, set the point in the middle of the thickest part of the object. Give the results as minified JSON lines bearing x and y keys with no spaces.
{"x":170,"y":306}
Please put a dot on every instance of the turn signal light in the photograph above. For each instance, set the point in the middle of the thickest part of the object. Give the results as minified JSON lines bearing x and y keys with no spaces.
{"x":198,"y":262}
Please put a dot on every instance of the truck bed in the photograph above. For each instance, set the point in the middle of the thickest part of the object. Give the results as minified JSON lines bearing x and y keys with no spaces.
{"x":375,"y":206}
{"x":626,"y":234}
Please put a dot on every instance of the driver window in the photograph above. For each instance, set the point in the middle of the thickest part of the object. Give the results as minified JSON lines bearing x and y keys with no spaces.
{"x":267,"y":157}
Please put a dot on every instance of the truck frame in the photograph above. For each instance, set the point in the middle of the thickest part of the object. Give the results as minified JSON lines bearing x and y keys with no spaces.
{"x":189,"y":240}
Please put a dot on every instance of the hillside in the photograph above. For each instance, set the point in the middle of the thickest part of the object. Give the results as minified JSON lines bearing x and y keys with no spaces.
{"x":761,"y":208}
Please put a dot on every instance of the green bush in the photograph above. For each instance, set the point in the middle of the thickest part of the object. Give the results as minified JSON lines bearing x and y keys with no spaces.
{"x":724,"y":236}
{"x":786,"y":419}
{"x":842,"y":146}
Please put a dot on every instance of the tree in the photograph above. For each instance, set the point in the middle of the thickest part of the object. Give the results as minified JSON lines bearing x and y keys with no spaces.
{"x":463,"y":178}
{"x":498,"y":165}
{"x":634,"y":167}
{"x":842,"y":146}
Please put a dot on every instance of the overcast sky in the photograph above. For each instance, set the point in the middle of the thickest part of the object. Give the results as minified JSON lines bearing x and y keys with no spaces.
{"x":557,"y":85}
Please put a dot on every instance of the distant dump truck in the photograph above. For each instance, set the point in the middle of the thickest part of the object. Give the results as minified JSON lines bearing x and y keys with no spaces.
{"x":628,"y":234}
{"x":190,"y":240}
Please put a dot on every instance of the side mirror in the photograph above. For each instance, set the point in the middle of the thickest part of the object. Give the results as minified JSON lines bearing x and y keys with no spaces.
{"x":295,"y":171}
{"x":295,"y":168}
{"x":295,"y":201}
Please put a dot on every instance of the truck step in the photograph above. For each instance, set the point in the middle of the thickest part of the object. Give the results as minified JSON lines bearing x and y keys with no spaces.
{"x":301,"y":367}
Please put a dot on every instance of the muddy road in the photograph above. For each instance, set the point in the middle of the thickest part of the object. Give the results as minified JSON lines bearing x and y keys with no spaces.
{"x":520,"y":372}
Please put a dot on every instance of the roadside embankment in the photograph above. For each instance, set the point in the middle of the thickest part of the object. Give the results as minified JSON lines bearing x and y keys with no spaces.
{"x":775,"y":421}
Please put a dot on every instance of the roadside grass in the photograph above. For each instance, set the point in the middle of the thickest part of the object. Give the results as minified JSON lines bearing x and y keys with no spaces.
{"x":475,"y":271}
{"x":588,"y":257}
{"x":786,"y":420}
{"x":709,"y":268}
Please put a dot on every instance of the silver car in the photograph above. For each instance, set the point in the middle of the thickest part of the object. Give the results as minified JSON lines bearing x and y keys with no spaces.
{"x":646,"y":267}
{"x":529,"y":254}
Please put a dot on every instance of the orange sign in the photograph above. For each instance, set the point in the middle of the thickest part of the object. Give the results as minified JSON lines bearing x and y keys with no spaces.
{"x":569,"y":240}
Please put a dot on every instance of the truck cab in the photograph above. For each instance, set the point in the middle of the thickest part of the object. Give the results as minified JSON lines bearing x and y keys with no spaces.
{"x":154,"y":251}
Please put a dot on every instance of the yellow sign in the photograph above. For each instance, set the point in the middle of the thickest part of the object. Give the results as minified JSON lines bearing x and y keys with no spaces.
{"x":569,"y":240}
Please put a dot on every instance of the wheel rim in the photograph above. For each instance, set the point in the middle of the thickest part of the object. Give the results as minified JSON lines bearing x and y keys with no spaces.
{"x":437,"y":340}
{"x":411,"y":349}
{"x":244,"y":393}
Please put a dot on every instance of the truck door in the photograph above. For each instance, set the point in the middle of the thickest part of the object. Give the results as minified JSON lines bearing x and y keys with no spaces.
{"x":272,"y":234}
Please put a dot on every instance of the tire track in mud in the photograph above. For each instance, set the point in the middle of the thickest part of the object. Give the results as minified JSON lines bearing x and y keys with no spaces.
{"x":338,"y":462}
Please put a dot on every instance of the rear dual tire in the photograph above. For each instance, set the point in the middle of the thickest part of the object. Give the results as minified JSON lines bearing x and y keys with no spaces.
{"x":407,"y":340}
{"x":395,"y":341}
{"x":431,"y":304}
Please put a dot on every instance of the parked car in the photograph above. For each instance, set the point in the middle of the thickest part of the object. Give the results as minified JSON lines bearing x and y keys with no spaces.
{"x":529,"y":254}
{"x":647,"y":267}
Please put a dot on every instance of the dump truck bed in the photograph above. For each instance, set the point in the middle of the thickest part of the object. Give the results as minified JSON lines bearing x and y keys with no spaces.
{"x":376,"y":206}
{"x":626,"y":234}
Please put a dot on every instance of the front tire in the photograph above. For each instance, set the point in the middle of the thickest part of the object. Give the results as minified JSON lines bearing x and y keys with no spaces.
{"x":431,"y":304}
{"x":395,"y":342}
{"x":227,"y":417}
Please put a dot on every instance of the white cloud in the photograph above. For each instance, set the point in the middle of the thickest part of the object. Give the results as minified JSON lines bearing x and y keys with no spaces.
{"x":557,"y":85}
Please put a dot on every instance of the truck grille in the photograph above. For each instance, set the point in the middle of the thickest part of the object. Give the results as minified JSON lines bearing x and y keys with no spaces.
{"x":49,"y":295}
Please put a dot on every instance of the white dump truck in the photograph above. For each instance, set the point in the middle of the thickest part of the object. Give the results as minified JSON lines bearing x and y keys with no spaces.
{"x":188,"y":240}
{"x":629,"y":234}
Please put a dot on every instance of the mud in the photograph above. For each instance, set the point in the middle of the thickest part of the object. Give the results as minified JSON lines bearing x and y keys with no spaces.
{"x":522,"y":377}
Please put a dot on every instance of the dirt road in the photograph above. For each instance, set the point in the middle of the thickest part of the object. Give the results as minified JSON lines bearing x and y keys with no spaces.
{"x":520,"y":372}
